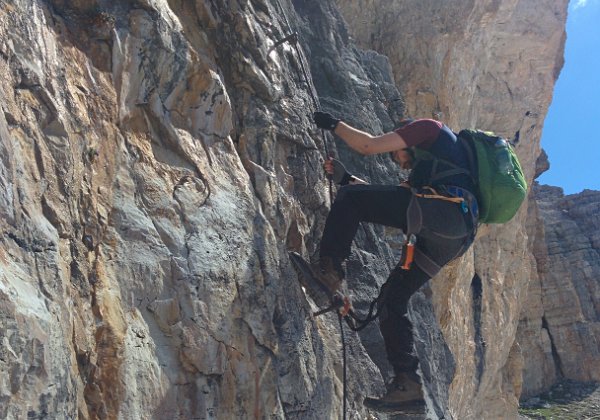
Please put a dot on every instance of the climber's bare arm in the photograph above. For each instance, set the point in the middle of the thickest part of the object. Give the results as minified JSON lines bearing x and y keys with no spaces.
{"x":366,"y":144}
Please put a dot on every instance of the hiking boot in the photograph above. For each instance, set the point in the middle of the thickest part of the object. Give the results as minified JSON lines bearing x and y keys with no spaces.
{"x":404,"y":395}
{"x":329,"y":273}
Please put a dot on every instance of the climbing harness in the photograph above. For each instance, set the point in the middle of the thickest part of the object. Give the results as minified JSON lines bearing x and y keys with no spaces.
{"x":434,"y":194}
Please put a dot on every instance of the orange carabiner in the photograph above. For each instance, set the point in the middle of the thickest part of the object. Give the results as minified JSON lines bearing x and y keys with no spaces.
{"x":345,"y":309}
{"x":408,"y":252}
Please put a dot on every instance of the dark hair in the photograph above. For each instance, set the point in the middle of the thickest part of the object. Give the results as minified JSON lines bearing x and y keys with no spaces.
{"x":409,"y":150}
{"x":404,"y":122}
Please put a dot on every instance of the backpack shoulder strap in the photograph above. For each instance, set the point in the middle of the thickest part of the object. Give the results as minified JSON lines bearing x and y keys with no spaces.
{"x":468,"y":147}
{"x":437,"y":175}
{"x":449,"y":172}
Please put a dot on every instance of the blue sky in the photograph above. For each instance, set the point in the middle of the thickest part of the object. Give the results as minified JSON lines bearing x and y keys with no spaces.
{"x":571,"y":135}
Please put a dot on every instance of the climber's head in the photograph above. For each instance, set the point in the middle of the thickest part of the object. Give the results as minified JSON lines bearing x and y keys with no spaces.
{"x":404,"y":157}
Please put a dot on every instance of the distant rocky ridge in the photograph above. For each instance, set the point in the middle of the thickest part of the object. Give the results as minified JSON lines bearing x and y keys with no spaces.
{"x":560,"y":328}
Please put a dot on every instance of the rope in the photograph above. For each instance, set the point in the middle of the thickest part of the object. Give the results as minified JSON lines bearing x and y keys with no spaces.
{"x":311,"y":91}
{"x":358,"y":324}
{"x":344,"y":363}
{"x":302,"y":60}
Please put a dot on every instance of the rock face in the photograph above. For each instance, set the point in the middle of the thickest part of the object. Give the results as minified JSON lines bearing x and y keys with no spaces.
{"x":560,"y":329}
{"x":157,"y":162}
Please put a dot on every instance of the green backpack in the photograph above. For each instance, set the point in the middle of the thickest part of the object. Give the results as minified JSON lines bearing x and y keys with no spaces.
{"x":499,"y":179}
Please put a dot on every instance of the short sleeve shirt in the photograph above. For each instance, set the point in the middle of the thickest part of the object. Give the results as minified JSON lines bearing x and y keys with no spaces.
{"x":439,"y":140}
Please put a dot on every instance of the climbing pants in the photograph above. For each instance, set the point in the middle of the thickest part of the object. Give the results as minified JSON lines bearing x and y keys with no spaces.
{"x":444,"y":231}
{"x":381,"y":204}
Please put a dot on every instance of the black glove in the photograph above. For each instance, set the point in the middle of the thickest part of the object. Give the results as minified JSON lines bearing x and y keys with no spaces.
{"x":340,"y":174}
{"x":325,"y":120}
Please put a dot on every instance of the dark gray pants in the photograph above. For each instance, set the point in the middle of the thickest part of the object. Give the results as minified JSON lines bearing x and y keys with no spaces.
{"x":445,"y":232}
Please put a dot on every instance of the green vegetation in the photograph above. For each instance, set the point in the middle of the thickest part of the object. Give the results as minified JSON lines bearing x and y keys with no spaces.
{"x":567,"y":400}
{"x":557,"y":412}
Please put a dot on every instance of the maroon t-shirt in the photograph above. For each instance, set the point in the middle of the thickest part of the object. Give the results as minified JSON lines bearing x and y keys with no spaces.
{"x":440,"y":141}
{"x":422,"y":133}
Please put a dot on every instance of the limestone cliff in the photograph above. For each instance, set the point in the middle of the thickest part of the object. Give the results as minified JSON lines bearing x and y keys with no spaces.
{"x":489,"y":65}
{"x":560,"y":329}
{"x":157,"y":162}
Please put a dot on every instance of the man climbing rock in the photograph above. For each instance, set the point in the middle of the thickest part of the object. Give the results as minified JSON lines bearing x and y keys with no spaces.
{"x":436,"y":206}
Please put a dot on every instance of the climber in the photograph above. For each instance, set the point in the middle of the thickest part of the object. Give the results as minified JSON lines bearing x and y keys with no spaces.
{"x":436,"y":204}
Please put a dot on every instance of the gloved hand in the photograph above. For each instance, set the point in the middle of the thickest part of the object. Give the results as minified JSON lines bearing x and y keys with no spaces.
{"x":325,"y":120}
{"x":338,"y":171}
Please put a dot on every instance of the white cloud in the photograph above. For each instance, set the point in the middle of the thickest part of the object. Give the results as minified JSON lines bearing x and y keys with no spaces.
{"x":578,"y":4}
